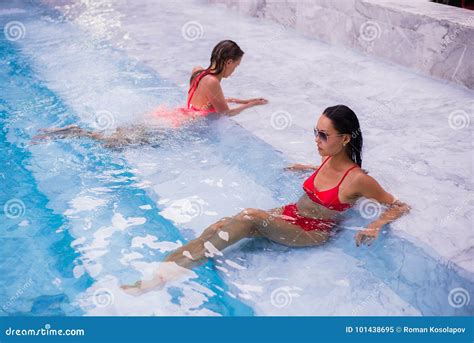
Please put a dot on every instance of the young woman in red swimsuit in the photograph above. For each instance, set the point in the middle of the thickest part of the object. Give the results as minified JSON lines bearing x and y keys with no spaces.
{"x":205,"y":96}
{"x":333,"y":188}
{"x":205,"y":92}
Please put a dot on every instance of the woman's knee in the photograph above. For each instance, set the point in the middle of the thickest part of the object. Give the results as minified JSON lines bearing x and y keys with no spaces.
{"x":215,"y":228}
{"x":224,"y":220}
{"x":243,"y":224}
{"x":252,"y":214}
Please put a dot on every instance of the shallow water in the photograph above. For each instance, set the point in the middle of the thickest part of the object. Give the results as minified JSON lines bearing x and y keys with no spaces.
{"x":103,"y":218}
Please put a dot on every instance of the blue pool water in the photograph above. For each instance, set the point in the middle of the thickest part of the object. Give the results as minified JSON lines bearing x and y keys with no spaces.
{"x":79,"y":220}
{"x":40,"y":238}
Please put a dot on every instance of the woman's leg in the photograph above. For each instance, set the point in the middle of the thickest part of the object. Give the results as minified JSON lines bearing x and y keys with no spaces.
{"x":117,"y":139}
{"x":215,"y":238}
{"x":248,"y":223}
{"x":73,"y":131}
{"x":169,"y":268}
{"x":228,"y":231}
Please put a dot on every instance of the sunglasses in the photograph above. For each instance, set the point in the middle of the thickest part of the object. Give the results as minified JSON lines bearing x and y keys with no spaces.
{"x":323,"y":135}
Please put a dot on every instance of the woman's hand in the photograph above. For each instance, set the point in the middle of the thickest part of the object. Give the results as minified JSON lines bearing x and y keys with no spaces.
{"x":257,"y":102}
{"x":367,"y":236}
{"x":244,"y":105}
{"x":367,"y":187}
{"x":254,"y":101}
{"x":299,"y":167}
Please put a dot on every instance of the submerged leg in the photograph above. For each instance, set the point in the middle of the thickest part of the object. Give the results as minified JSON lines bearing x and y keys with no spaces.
{"x":117,"y":139}
{"x":216,"y":237}
{"x":226,"y":232}
{"x":248,"y":223}
{"x":132,"y":135}
{"x":73,"y":131}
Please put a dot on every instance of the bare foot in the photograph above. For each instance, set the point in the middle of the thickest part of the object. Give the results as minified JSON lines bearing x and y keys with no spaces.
{"x":58,"y":129}
{"x":42,"y":138}
{"x":38,"y":139}
{"x":141,"y":287}
{"x":166,"y":272}
{"x":56,"y":132}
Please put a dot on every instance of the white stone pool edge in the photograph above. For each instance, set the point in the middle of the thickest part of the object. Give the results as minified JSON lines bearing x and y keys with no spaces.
{"x":434,"y":39}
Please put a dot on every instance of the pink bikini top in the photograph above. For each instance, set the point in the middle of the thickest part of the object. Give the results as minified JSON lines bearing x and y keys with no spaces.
{"x":328,"y":198}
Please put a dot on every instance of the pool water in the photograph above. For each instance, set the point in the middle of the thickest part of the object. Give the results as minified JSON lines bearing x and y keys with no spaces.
{"x":79,"y":220}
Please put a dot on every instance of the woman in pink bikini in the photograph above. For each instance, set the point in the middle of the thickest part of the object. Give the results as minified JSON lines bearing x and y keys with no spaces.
{"x":332,"y":189}
{"x":205,"y":96}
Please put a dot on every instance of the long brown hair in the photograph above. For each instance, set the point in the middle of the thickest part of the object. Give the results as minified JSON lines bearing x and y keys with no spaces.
{"x":224,"y":50}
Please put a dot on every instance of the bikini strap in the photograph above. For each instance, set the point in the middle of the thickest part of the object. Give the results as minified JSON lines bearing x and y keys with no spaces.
{"x":345,"y":174}
{"x":194,"y":85}
{"x":322,"y":164}
{"x":313,"y":176}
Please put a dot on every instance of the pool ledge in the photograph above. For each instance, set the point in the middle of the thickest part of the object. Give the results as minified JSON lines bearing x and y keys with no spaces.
{"x":430,"y":38}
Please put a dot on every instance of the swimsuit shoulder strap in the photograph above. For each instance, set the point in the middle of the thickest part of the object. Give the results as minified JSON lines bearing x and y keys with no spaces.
{"x":194,"y":85}
{"x":345,"y":174}
{"x":310,"y":180}
{"x":322,"y":164}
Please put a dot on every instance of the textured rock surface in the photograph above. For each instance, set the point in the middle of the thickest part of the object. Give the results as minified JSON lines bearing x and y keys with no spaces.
{"x":434,"y":39}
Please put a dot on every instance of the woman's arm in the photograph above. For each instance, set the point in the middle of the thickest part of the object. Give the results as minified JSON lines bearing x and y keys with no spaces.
{"x":218,"y":101}
{"x":241,"y":101}
{"x":236,"y":101}
{"x":300,"y":167}
{"x":371,"y":189}
{"x":303,"y":167}
{"x":238,"y":109}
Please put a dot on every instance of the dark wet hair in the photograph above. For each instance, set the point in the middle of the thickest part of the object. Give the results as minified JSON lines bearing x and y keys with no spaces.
{"x":345,"y":121}
{"x":224,"y":50}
